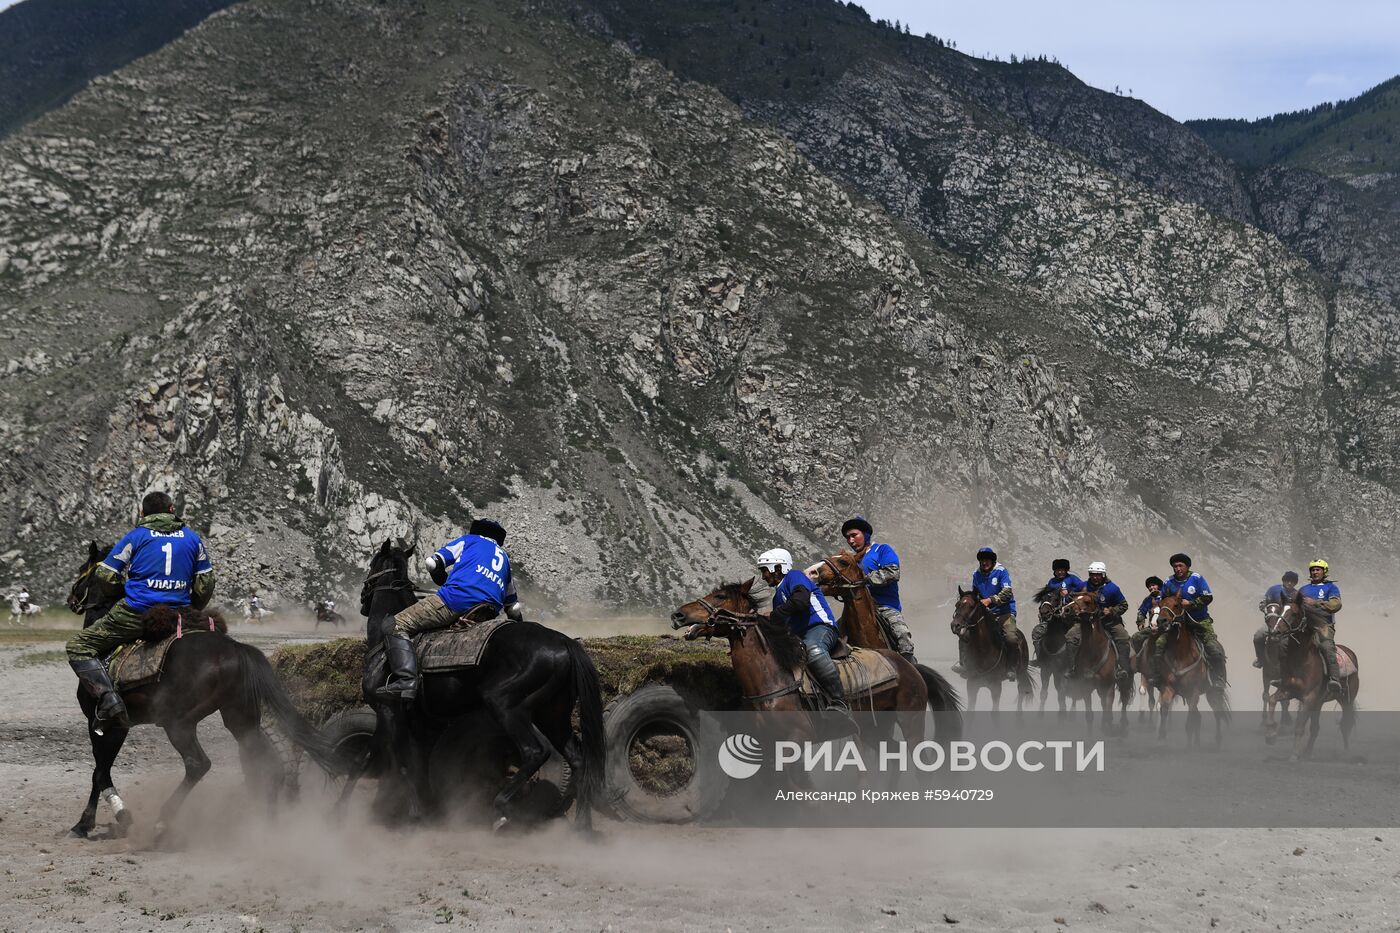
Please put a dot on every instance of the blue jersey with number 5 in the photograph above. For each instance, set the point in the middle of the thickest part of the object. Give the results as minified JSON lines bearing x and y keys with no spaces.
{"x":159,"y":567}
{"x":478,"y":571}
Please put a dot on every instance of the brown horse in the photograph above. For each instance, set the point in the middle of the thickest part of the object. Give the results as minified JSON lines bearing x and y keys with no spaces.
{"x":1055,"y":654}
{"x":988,"y":653}
{"x":1185,"y":673}
{"x":1274,"y":632}
{"x":767,"y":657}
{"x":841,"y":577}
{"x":1303,"y":677}
{"x":1095,"y":662}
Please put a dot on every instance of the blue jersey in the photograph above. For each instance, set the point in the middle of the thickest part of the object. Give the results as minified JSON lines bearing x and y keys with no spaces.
{"x":159,"y":566}
{"x":875,"y":557}
{"x":1320,"y":591}
{"x":990,"y":584}
{"x":1191,"y":588}
{"x":1278,"y":593}
{"x":1110,"y":594}
{"x":1070,"y":584}
{"x":818,"y":611}
{"x":478,"y":571}
{"x":1145,"y":607}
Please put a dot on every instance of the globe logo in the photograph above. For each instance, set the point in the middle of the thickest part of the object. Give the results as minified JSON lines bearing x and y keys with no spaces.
{"x":740,"y":756}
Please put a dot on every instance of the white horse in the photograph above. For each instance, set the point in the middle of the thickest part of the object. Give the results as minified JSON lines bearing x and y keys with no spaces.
{"x":20,"y":607}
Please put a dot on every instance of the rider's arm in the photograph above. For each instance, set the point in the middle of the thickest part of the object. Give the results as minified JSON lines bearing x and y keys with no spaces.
{"x":437,"y":568}
{"x":1003,"y":597}
{"x":798,"y":604}
{"x":202,"y":586}
{"x":1118,"y":610}
{"x":109,"y":573}
{"x":889,"y":573}
{"x":1331,"y":603}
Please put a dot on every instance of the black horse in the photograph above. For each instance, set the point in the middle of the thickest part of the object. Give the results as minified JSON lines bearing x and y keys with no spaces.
{"x":205,"y":672}
{"x":529,"y":680}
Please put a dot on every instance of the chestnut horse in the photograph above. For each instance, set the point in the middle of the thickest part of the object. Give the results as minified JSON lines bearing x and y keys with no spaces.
{"x":1095,"y":662}
{"x":766,"y":656}
{"x":988,"y":654}
{"x":1185,"y":673}
{"x":1303,"y":677}
{"x":841,"y":577}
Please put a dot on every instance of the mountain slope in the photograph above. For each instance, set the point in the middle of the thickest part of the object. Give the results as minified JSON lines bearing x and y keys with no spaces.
{"x":342,"y":271}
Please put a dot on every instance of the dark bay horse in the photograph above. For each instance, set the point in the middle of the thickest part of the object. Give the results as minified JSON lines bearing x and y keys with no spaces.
{"x":1275,"y":630}
{"x":766,"y":656}
{"x":1055,"y":656}
{"x":987,"y":653}
{"x":1303,"y":677}
{"x":530,"y":679}
{"x":1185,"y":673}
{"x":1096,"y":663}
{"x":205,"y":672}
{"x":840,"y":576}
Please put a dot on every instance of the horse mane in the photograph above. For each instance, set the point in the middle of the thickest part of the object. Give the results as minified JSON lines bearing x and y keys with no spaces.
{"x":1042,"y":594}
{"x":160,"y":622}
{"x":736,"y":591}
{"x":787,"y":649}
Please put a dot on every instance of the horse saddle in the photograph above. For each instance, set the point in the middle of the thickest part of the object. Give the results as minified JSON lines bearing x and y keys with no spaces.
{"x":1345,"y":665}
{"x":138,"y":663}
{"x":864,"y":672}
{"x":456,"y":647}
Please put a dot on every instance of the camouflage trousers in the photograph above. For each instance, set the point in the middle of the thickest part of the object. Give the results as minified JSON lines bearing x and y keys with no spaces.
{"x":894,"y":623}
{"x":432,"y":613}
{"x":120,"y":625}
{"x":427,"y":614}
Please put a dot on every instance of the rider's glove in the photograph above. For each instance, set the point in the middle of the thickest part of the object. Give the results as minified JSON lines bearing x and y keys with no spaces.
{"x":515,"y":613}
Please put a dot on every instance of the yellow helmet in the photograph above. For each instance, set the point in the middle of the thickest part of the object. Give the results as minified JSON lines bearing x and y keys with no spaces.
{"x":1319,"y":562}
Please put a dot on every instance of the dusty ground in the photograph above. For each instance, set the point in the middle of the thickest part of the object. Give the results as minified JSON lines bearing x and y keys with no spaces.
{"x":240,"y":870}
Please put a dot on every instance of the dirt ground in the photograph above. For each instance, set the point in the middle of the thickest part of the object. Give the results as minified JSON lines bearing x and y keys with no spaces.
{"x":238,"y":869}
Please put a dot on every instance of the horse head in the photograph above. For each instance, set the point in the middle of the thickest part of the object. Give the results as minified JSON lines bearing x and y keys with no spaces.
{"x":85,"y":584}
{"x":717,"y":611}
{"x":1082,"y":607}
{"x":968,"y":609}
{"x":388,"y":573}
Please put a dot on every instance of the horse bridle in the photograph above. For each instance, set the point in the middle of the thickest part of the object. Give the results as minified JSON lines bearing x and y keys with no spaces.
{"x":846,"y":582}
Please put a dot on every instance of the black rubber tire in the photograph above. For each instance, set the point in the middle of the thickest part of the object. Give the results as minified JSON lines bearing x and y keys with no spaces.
{"x":472,"y":760}
{"x":662,"y":708}
{"x":351,"y":732}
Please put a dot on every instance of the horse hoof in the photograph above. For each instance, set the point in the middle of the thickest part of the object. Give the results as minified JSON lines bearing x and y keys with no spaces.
{"x":122,"y":825}
{"x":77,"y":833}
{"x":500,"y":824}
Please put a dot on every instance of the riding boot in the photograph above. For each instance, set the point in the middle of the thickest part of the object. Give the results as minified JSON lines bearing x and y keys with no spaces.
{"x":1259,"y":649}
{"x":1329,"y":657}
{"x":1124,"y":673}
{"x":110,"y":708}
{"x":828,"y":678}
{"x":1013,"y":649}
{"x":961,"y":667}
{"x":403,"y":670}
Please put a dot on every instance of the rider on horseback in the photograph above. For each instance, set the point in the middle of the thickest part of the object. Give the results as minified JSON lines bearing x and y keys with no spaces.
{"x":881,"y":566}
{"x":473,"y":577}
{"x":800,"y":604}
{"x":1112,"y":605}
{"x":1144,"y":633}
{"x":992,"y":583}
{"x":1280,"y":594}
{"x":165,"y":564}
{"x":1196,"y":597}
{"x":1321,"y":599}
{"x":1063,"y":582}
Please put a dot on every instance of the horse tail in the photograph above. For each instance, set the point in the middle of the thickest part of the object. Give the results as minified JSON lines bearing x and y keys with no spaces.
{"x":590,"y":720}
{"x":261,"y":683}
{"x":945,"y":703}
{"x":1222,"y":705}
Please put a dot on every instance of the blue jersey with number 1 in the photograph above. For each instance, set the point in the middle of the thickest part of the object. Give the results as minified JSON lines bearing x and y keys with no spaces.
{"x":159,"y":567}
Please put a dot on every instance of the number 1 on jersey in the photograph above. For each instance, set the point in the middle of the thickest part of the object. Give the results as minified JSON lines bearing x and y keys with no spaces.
{"x":169,"y":550}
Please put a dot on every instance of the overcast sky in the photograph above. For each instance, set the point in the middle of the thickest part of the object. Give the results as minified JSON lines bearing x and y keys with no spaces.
{"x":1187,"y":58}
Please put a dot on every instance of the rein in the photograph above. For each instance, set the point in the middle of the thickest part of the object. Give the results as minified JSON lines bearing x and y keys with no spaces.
{"x":746,"y":620}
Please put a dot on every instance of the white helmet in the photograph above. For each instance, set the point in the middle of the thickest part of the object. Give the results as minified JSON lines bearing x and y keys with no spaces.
{"x":775,"y":559}
{"x":1098,"y":566}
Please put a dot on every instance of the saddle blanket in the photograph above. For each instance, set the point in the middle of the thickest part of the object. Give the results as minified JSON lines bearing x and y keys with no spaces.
{"x":451,"y":649}
{"x":864,"y":672}
{"x":138,"y":663}
{"x":1345,"y":665}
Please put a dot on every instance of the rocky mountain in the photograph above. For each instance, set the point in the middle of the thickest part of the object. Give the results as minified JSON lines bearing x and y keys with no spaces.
{"x":660,"y":284}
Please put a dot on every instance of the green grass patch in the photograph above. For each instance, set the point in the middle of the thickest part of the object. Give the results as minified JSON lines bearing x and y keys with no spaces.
{"x":36,"y":658}
{"x":29,"y":636}
{"x":324,"y":678}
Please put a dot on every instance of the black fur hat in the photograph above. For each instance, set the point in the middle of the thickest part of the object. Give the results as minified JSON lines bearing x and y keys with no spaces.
{"x":488,"y":529}
{"x":859,"y":523}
